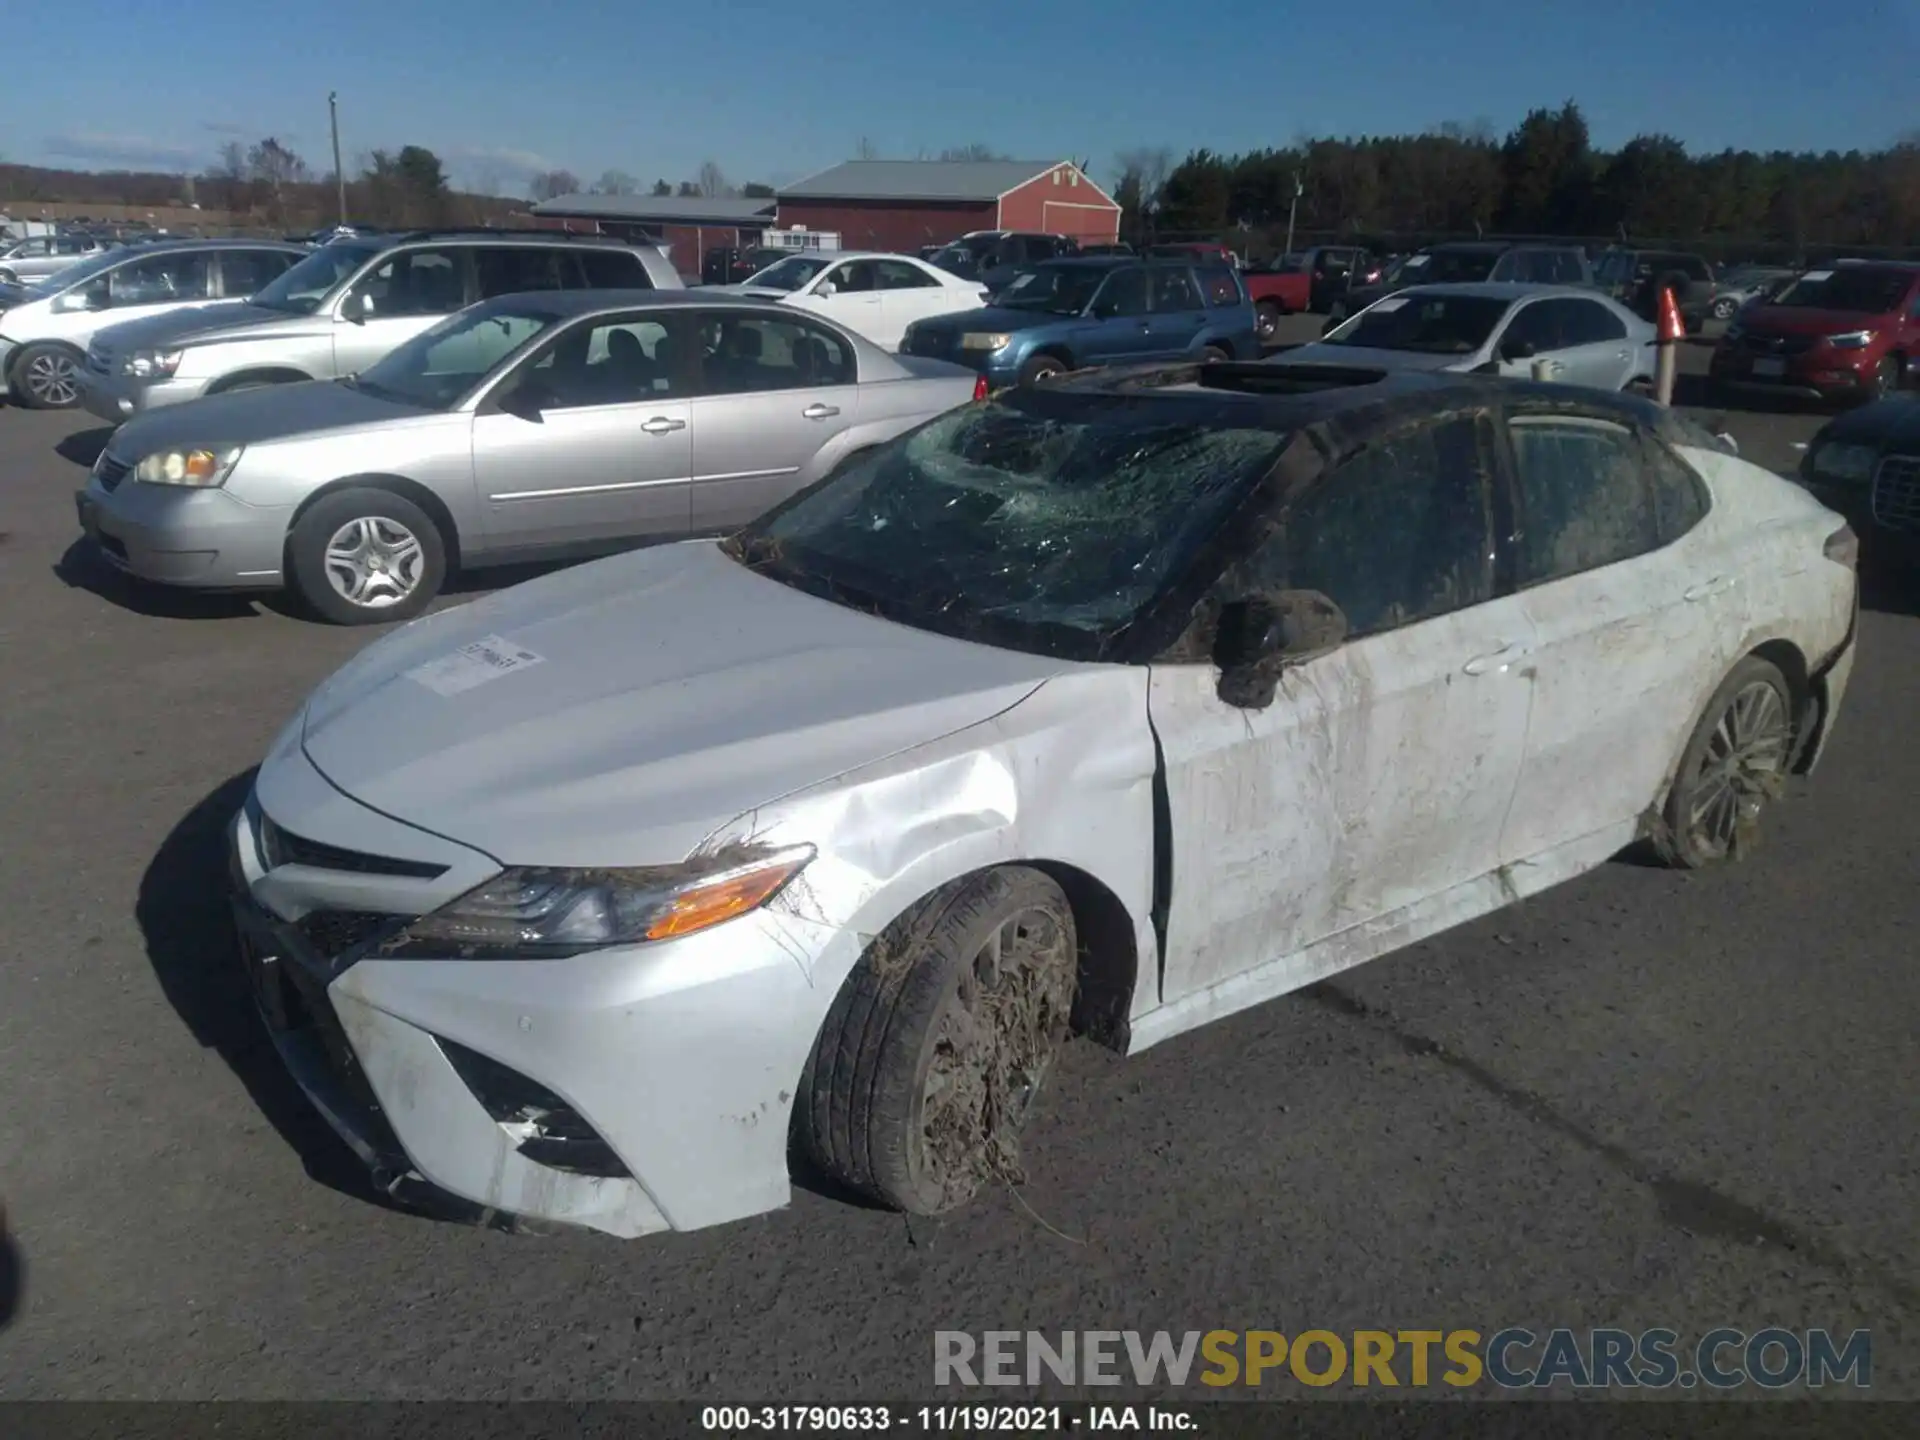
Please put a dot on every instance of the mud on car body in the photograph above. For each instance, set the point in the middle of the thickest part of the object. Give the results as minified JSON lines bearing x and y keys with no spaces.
{"x":585,"y":900}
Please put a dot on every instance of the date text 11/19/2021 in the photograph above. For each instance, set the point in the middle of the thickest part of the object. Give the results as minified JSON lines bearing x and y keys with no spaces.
{"x":943,"y":1419}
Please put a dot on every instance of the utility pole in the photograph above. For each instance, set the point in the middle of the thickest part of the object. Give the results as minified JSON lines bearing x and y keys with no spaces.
{"x":339,"y":174}
{"x":1293,"y":207}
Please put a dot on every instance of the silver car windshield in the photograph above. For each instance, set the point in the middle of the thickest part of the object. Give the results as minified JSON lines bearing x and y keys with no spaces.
{"x":437,"y":368}
{"x":1003,"y":521}
{"x":304,"y":289}
{"x":1427,"y":324}
{"x":789,"y":274}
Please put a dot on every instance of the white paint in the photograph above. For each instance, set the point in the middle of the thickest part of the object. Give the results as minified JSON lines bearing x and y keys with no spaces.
{"x":476,"y":663}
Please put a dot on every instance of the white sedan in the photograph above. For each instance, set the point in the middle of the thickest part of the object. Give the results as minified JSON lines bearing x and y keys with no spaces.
{"x":1108,"y":707}
{"x":873,"y":294}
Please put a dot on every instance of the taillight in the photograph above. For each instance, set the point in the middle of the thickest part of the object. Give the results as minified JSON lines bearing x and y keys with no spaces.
{"x":1843,"y":548}
{"x":980,"y":392}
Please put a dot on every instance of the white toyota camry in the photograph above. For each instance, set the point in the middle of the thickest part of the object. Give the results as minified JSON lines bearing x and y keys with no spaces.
{"x":872,"y":294}
{"x":1104,"y":708}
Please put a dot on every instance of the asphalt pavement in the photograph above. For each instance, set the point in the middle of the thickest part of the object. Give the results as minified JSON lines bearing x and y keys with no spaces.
{"x":1643,"y":1099}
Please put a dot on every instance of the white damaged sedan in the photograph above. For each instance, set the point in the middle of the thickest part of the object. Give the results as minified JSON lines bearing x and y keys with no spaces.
{"x":1105,"y":708}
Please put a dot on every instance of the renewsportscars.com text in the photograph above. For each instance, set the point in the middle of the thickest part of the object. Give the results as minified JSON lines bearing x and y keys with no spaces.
{"x":1513,"y":1358}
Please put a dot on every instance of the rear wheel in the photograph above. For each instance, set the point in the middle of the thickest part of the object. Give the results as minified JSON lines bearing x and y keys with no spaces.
{"x":1734,"y":765}
{"x":46,"y":377}
{"x":926,"y":1069}
{"x":1724,"y":307}
{"x":1213,"y":355}
{"x":366,"y":556}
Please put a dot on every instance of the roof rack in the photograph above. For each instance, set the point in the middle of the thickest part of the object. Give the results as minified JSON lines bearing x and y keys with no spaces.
{"x":454,"y":232}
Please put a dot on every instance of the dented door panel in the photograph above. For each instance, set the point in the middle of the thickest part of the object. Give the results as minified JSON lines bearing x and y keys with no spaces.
{"x":1379,"y":777}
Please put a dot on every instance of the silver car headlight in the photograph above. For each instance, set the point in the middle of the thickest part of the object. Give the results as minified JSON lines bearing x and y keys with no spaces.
{"x":196,"y":468}
{"x":151,"y":364}
{"x":1849,"y":463}
{"x":531,"y":913}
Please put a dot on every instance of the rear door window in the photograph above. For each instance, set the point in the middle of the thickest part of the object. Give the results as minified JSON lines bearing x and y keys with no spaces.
{"x":1220,"y":285}
{"x":512,"y":269}
{"x":1174,"y":290}
{"x":615,"y":270}
{"x":242,"y":272}
{"x":1583,"y":322}
{"x":1584,"y":496}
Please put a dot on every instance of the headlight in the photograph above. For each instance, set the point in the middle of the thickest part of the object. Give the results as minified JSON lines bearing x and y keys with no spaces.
{"x":985,"y":340}
{"x":1852,"y":463}
{"x":199,"y":468}
{"x":531,"y":913}
{"x":151,"y":364}
{"x":1853,"y":339}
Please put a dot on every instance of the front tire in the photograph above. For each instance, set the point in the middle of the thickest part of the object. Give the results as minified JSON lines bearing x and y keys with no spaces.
{"x":1266,"y":321}
{"x":1040,"y":369}
{"x":1735,"y":764}
{"x":925,"y":1072}
{"x":46,"y":377}
{"x":1214,"y":354}
{"x":1724,"y":307}
{"x":365,"y":556}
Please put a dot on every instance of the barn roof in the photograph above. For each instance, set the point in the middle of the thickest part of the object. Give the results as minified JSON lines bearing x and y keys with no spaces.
{"x":661,"y":209}
{"x":966,"y":180}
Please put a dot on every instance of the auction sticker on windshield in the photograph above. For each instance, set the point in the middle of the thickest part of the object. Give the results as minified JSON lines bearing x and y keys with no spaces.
{"x":475,"y":664}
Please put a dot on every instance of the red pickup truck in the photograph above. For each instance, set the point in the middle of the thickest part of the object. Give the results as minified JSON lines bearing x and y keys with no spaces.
{"x":1274,"y":292}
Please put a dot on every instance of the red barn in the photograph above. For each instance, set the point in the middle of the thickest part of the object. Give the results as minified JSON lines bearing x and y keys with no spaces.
{"x":907,"y":204}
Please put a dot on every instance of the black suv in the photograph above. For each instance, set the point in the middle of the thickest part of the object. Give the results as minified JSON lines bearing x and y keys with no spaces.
{"x":994,"y":257}
{"x":1468,"y":262}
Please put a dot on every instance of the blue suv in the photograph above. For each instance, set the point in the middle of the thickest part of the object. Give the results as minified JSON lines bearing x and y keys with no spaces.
{"x":1114,"y":310}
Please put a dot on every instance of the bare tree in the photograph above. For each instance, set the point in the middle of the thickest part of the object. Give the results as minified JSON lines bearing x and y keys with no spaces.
{"x":712,"y":182}
{"x":274,"y":168}
{"x":1149,"y":167}
{"x":865,"y":149}
{"x":230,"y":170}
{"x":551,"y":184}
{"x":616,"y":182}
{"x":975,"y":151}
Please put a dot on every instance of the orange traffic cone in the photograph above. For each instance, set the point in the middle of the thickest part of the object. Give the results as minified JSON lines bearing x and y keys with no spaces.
{"x":1667,"y":359}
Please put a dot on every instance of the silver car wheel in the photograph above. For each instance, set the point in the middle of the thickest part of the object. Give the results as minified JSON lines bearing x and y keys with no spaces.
{"x":51,"y":380}
{"x":1743,"y":767}
{"x":374,"y":562}
{"x":1724,"y":307}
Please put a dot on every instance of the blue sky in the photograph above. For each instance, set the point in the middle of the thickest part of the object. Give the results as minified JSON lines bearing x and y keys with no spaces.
{"x":501,"y":88}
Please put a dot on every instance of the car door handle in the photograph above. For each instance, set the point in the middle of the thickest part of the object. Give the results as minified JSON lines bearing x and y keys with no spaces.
{"x":1495,"y":661}
{"x":1709,"y":587}
{"x":820,"y":412}
{"x":660,"y":425}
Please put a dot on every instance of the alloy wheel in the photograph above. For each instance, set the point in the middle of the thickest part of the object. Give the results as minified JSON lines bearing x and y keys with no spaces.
{"x":1743,"y":767}
{"x":51,"y":379}
{"x":375,"y":562}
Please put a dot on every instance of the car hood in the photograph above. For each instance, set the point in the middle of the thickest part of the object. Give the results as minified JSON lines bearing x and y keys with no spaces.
{"x":249,"y":417}
{"x":1893,"y":423}
{"x":1321,"y":353}
{"x":1792,"y":320}
{"x":672,"y":691}
{"x":202,"y":324}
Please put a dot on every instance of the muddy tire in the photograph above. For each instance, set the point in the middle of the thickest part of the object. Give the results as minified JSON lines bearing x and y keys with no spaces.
{"x":933,"y":1052}
{"x":1266,"y":320}
{"x":1735,"y":764}
{"x":1040,"y":369}
{"x":1214,"y":354}
{"x":365,"y":556}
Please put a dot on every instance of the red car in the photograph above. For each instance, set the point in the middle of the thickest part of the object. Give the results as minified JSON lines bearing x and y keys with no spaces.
{"x":1849,"y":332}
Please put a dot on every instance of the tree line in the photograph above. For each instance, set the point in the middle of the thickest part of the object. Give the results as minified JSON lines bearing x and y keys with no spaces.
{"x":1544,"y":177}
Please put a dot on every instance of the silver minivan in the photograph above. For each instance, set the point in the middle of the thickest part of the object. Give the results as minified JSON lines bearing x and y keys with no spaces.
{"x":45,"y":328}
{"x":345,"y":306}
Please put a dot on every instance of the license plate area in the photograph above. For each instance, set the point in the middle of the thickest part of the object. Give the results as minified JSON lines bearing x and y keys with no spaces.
{"x":1771,"y":369}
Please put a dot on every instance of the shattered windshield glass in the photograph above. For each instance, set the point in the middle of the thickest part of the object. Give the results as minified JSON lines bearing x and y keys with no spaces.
{"x":995,"y":522}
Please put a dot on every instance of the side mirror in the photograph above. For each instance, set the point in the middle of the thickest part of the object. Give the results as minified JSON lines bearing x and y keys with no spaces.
{"x":353,"y":309}
{"x":826,"y":289}
{"x":527,"y":401}
{"x":1262,"y":635}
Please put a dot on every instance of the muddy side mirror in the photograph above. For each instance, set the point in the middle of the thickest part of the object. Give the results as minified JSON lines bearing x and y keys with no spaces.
{"x":1261,"y":635}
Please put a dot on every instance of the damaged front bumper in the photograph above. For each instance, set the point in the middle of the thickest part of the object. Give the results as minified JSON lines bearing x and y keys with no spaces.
{"x":629,"y":1091}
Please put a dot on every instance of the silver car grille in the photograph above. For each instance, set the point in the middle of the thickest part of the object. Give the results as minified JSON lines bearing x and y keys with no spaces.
{"x":1896,"y":492}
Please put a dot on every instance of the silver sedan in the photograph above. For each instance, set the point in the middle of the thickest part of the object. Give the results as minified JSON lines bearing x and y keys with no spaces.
{"x":1542,"y":332}
{"x":533,"y":426}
